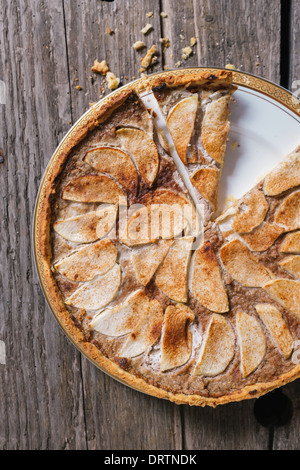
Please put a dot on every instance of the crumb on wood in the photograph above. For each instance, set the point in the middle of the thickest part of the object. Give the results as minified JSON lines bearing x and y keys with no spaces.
{"x":109,"y":31}
{"x":149,"y":14}
{"x":78,"y":87}
{"x":165,"y":42}
{"x":163,"y":14}
{"x":138,"y":45}
{"x":112,"y":81}
{"x":230,"y":67}
{"x":146,"y":29}
{"x":193,"y":41}
{"x":178,"y":64}
{"x":100,"y":67}
{"x":186,"y":52}
{"x":148,"y":59}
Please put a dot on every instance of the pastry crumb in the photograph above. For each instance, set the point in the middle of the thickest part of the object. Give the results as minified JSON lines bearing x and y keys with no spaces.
{"x":193,"y":41}
{"x":109,"y":31}
{"x":163,"y":14}
{"x":146,"y":29}
{"x":78,"y":87}
{"x":149,"y":14}
{"x":230,"y":67}
{"x":138,"y":45}
{"x":178,"y":64}
{"x":165,"y":42}
{"x":100,"y":67}
{"x":112,"y":81}
{"x":148,"y":59}
{"x":187,"y":51}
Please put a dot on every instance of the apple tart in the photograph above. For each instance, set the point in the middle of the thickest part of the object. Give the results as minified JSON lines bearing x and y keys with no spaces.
{"x":202,"y":320}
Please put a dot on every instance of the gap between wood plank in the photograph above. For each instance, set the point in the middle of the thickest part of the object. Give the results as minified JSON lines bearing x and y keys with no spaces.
{"x":68,"y":63}
{"x":285,"y":42}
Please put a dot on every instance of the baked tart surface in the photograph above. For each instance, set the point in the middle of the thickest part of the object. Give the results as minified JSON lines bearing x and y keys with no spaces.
{"x":145,"y":281}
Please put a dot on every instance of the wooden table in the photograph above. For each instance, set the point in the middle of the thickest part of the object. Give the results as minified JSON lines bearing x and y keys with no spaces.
{"x":51,"y":396}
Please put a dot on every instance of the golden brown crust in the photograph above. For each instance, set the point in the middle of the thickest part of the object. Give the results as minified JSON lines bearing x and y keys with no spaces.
{"x":222,"y":78}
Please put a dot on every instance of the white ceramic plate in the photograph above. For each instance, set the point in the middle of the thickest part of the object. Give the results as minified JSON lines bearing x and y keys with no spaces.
{"x":262,"y":132}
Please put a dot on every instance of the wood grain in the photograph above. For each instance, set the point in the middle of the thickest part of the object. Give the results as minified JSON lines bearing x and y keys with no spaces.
{"x":41,"y":384}
{"x":245,"y":34}
{"x":52,"y":397}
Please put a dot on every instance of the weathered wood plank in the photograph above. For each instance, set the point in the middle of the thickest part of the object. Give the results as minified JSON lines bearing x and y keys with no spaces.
{"x":244,"y":33}
{"x":41,"y":395}
{"x":116,"y":416}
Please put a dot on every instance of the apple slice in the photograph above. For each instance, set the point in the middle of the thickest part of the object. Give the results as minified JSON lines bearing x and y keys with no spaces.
{"x":286,"y":292}
{"x":206,"y":282}
{"x":146,"y":332}
{"x":291,"y":243}
{"x":180,"y":122}
{"x":99,"y":292}
{"x":206,"y":181}
{"x":277,"y":327}
{"x":288,"y":213}
{"x":242,"y":265}
{"x":88,"y":227}
{"x":116,"y":163}
{"x":263,"y":237}
{"x":215,"y":127}
{"x":171,"y":276}
{"x":177,"y":340}
{"x":122,"y":318}
{"x":179,"y":202}
{"x":286,"y":175}
{"x":88,"y":262}
{"x":93,"y":188}
{"x":151,"y":223}
{"x":147,"y":259}
{"x":143,"y":150}
{"x":217,"y":348}
{"x":292,"y":265}
{"x":251,"y":211}
{"x":252,"y":342}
